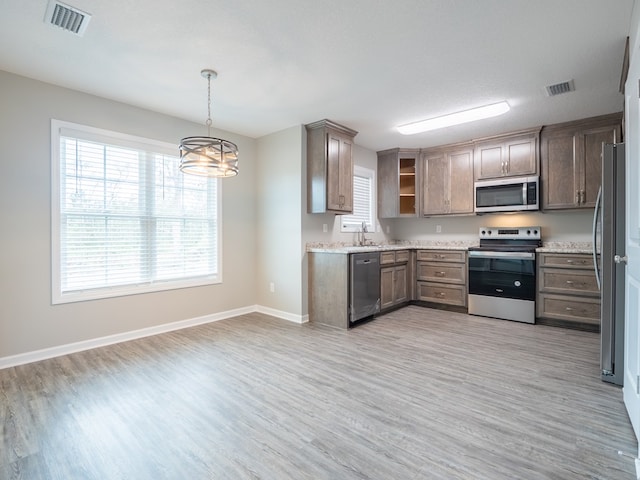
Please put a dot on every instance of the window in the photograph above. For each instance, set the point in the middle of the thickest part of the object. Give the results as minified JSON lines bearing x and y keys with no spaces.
{"x":364,"y":201}
{"x":125,"y":220}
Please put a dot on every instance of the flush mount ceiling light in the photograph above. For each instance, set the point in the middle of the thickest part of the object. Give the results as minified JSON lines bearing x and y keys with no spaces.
{"x":208,"y":156}
{"x":457,"y":118}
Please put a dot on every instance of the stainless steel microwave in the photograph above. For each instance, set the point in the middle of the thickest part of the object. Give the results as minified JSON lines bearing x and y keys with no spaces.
{"x":507,"y":194}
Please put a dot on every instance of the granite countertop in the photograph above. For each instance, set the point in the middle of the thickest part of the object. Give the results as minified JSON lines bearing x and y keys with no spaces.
{"x":566,"y":247}
{"x":345,"y":248}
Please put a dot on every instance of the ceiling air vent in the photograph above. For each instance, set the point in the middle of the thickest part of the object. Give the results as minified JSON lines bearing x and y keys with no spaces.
{"x":560,"y":88}
{"x":67,"y":17}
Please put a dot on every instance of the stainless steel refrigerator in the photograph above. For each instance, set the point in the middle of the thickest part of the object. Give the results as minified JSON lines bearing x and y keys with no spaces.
{"x":609,"y":246}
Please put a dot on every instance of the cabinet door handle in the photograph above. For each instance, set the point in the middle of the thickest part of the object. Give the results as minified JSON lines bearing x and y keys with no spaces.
{"x":570,"y":282}
{"x":578,"y":197}
{"x":440,"y":274}
{"x":569,"y":309}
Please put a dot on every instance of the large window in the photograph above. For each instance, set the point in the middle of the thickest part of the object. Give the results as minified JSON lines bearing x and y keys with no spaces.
{"x":364,"y":201}
{"x":125,"y":220}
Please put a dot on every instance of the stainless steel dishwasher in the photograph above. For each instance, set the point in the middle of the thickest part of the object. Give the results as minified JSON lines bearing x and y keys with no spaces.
{"x":364,"y":286}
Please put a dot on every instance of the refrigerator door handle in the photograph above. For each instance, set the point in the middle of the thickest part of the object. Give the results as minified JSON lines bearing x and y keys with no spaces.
{"x":620,"y":259}
{"x":596,"y":212}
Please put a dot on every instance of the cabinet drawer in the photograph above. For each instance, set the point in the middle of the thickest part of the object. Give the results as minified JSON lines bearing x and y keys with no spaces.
{"x":565,"y":260}
{"x":565,"y":281}
{"x":400,"y":256}
{"x":443,"y":255}
{"x":387,"y":258}
{"x":442,"y":293}
{"x":586,"y":310}
{"x":442,"y":272}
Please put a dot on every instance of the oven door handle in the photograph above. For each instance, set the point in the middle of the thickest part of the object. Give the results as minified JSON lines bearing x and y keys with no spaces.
{"x":514,"y":255}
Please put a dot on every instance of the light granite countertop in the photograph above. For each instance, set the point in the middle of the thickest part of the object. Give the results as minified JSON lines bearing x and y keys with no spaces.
{"x":566,"y":247}
{"x":344,"y":248}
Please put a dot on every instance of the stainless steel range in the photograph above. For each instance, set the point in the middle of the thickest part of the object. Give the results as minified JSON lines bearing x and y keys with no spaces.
{"x":502,"y":273}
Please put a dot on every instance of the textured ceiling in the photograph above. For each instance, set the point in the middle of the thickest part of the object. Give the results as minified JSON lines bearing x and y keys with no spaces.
{"x":368,"y":64}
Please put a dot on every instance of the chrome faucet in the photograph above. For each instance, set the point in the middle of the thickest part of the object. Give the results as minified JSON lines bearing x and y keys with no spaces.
{"x":362,"y":234}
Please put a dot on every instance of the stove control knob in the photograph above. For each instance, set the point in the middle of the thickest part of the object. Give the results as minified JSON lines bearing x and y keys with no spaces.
{"x":483,"y":232}
{"x":528,"y":232}
{"x":489,"y":232}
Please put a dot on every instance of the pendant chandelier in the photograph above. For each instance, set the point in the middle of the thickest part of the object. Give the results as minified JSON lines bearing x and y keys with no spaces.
{"x":208,"y":156}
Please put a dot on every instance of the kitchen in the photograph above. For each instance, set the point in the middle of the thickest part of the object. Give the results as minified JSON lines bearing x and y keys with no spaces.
{"x":496,"y":194}
{"x":266,"y":228}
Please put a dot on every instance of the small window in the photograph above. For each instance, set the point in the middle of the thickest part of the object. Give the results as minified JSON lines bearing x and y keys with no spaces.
{"x":125,"y":219}
{"x":364,"y":201}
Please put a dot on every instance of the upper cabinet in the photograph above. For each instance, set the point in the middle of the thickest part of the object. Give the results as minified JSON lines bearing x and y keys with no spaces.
{"x":329,"y":167}
{"x":508,"y":155}
{"x":398,"y":183}
{"x":448,"y":180}
{"x":572,"y":163}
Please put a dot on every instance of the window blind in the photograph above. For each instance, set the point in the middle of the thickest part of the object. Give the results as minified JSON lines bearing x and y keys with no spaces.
{"x":128,"y":221}
{"x":363,"y":198}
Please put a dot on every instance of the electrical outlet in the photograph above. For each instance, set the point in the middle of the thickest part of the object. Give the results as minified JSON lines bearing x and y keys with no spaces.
{"x":272,"y":287}
{"x":325,"y":228}
{"x":438,"y":228}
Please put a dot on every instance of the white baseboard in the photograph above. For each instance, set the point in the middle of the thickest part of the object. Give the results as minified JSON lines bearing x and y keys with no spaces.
{"x":284,"y":315}
{"x":37,"y":355}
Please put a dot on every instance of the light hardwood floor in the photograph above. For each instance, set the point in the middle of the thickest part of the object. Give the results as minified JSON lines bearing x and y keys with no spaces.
{"x":415,"y":394}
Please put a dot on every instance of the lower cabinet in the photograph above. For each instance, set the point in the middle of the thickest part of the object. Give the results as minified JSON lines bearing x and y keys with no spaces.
{"x":567,"y":290}
{"x":394,"y":278}
{"x":329,"y":289}
{"x":441,"y":277}
{"x":329,"y":284}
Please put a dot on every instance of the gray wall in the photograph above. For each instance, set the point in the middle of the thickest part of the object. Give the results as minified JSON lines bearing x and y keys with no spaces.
{"x":279,"y":210}
{"x":573,"y":226}
{"x":28,"y":321}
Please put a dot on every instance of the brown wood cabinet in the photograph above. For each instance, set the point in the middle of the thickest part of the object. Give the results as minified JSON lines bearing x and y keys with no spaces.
{"x":567,"y":290}
{"x":448,"y":180}
{"x":441,"y":277}
{"x":394,"y":278}
{"x":398,"y":183}
{"x":571,"y":160}
{"x":508,"y":155}
{"x":329,"y":167}
{"x":329,"y":289}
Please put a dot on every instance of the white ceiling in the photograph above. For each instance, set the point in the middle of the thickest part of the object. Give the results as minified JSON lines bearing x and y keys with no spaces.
{"x":368,"y":64}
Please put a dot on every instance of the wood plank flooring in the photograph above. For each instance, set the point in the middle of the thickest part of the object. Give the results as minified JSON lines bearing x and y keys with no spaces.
{"x":415,"y":394}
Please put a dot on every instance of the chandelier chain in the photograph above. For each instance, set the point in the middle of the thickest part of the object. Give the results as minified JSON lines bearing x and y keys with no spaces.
{"x":208,"y":122}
